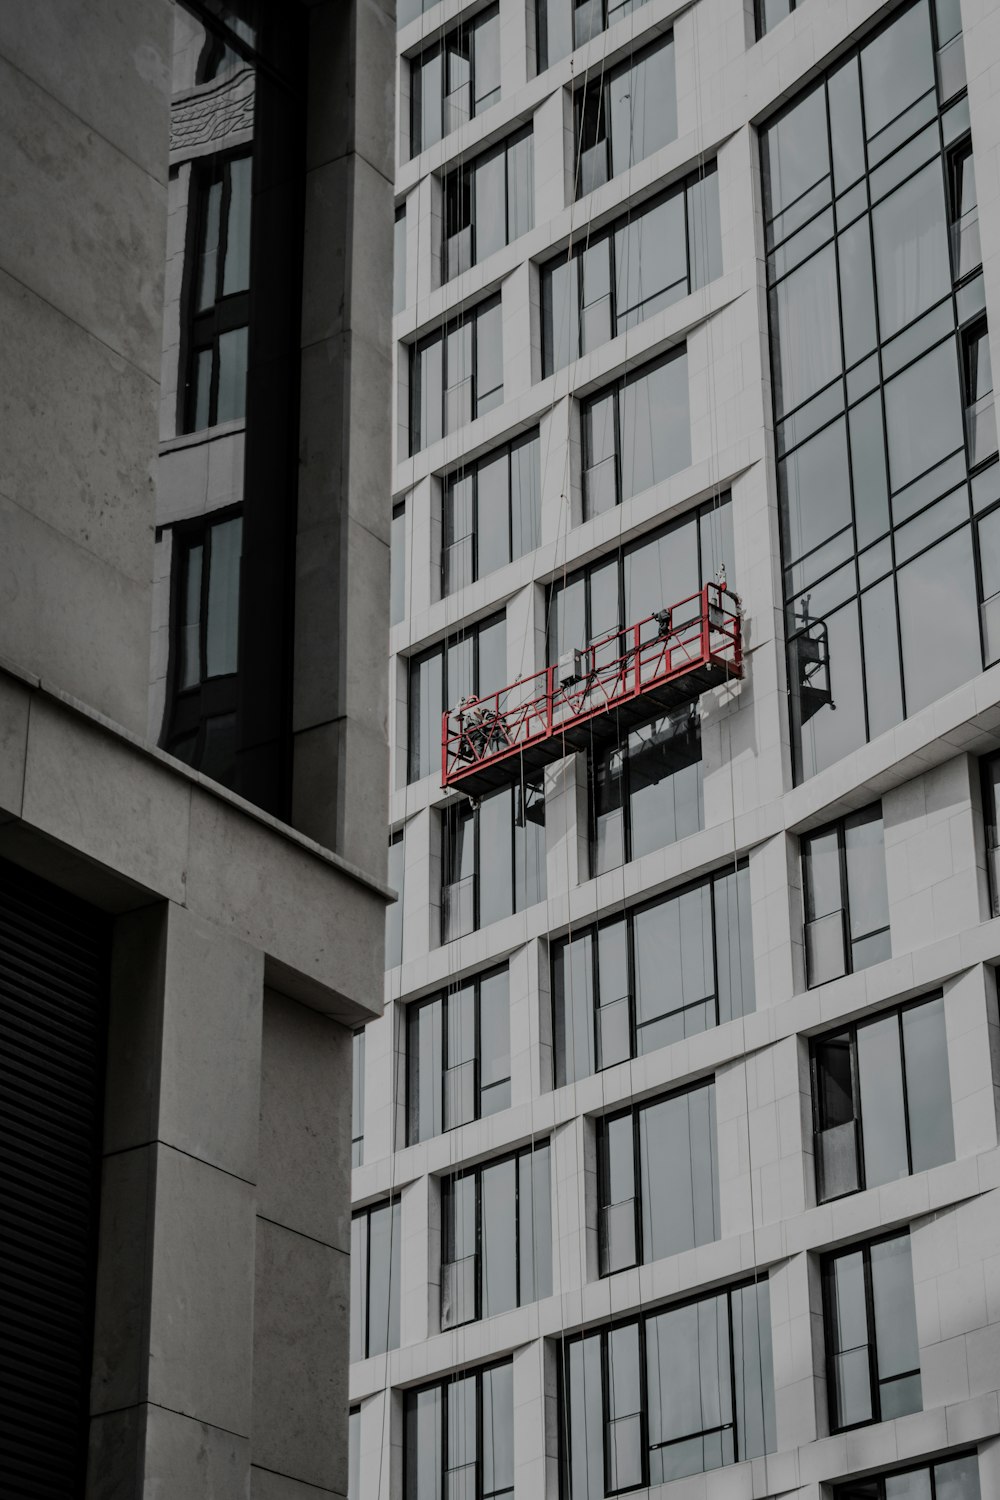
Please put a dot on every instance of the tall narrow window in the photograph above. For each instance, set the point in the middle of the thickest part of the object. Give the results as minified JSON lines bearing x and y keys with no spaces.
{"x":872,"y":1354}
{"x":489,"y":203}
{"x":218,"y":293}
{"x":458,"y":1437}
{"x":457,"y":1056}
{"x":647,"y":792}
{"x":496,"y":1228}
{"x":354,"y":1454}
{"x":657,"y":1179}
{"x":456,"y":374}
{"x":991,"y":812}
{"x":625,"y":115}
{"x":375,"y":1253}
{"x":636,"y":433}
{"x":455,"y":80}
{"x":397,"y":565}
{"x":493,"y":858}
{"x":204,"y":646}
{"x":473,"y":662}
{"x":882,"y":1100}
{"x":491,"y":512}
{"x":399,"y":260}
{"x":980,"y":408}
{"x":846,"y":900}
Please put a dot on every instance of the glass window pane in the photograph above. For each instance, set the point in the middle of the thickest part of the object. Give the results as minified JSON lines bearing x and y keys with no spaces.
{"x":423,"y":1444}
{"x":201,"y":395}
{"x":520,"y":188}
{"x":190,"y":628}
{"x":489,"y":178}
{"x":585,"y":1439}
{"x":689,"y":1387}
{"x":883,"y":682}
{"x":923,"y":409}
{"x":733,"y":944}
{"x":938,"y":617}
{"x":425,"y":1063}
{"x":677,"y":1162}
{"x":871,"y":494}
{"x":496,"y":876}
{"x":642,"y":107}
{"x":857,"y":291}
{"x":494,"y":1030}
{"x":867,"y":895}
{"x":656,"y":434}
{"x":525,"y":495}
{"x":806,"y":352}
{"x":354,"y":1456}
{"x":222,"y":631}
{"x":462,"y":1448}
{"x":845,"y":125}
{"x":231,"y":401}
{"x":236,"y":277}
{"x":486,"y":59}
{"x":359,"y":1288}
{"x":665,"y":781}
{"x":753,"y":1363}
{"x":824,"y":734}
{"x":815,"y":489}
{"x":847,"y":1339}
{"x":893,"y":1307}
{"x":798,"y":153}
{"x":957,"y":1478}
{"x":499,"y":1243}
{"x":883,"y":1122}
{"x":897,"y":66}
{"x":427,"y":396}
{"x":650,"y":262}
{"x":498,"y":1429}
{"x":425,"y":712}
{"x":429,"y":85}
{"x":704,"y":229}
{"x":383,"y":1279}
{"x":489,"y":359}
{"x":674,"y":968}
{"x":493,"y":512}
{"x":209,"y":269}
{"x":534,"y":1227}
{"x":560,"y":313}
{"x":912,"y":264}
{"x":399,"y":261}
{"x":928,"y":1089}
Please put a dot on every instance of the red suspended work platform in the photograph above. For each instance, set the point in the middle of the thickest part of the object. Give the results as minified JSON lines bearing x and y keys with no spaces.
{"x":590,"y":696}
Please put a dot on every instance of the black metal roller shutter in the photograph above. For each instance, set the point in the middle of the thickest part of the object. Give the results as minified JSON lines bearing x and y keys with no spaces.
{"x":53,"y":1004}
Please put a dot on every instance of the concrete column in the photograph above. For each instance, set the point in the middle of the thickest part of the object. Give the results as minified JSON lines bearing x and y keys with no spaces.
{"x":420,"y":1260}
{"x":797,"y":1345}
{"x":517,"y":332}
{"x":522,"y":972}
{"x":380,"y":1086}
{"x":550,"y":146}
{"x":970,"y":1017}
{"x":567,"y":838}
{"x":513,"y":74}
{"x":172,"y":1389}
{"x":777,"y":917}
{"x":529,"y":1422}
{"x":423,"y":534}
{"x":932,"y":863}
{"x":574,"y":1206}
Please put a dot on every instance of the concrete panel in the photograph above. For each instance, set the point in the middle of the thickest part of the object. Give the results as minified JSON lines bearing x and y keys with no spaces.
{"x":267,"y":1486}
{"x":124,"y":1268}
{"x":14,"y":705}
{"x":115,"y":807}
{"x":135,"y":1029}
{"x":300,"y":1358}
{"x":351,"y":83}
{"x":85,"y":420}
{"x":114,"y":1457}
{"x":89,"y":227}
{"x":303,"y":1178}
{"x":321,"y":926}
{"x":188,"y":1458}
{"x":91,"y":638}
{"x":201,"y":1298}
{"x":91,"y":60}
{"x":209,"y":1103}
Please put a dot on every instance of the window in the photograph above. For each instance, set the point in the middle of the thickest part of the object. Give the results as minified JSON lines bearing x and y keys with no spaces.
{"x":394,"y":913}
{"x":949,"y":1479}
{"x":872,"y":1355}
{"x":991,"y":811}
{"x":496,"y":1231}
{"x":397,"y":565}
{"x":636,"y":433}
{"x":492,"y":511}
{"x":562,"y":25}
{"x":625,"y":115}
{"x":664,"y":971}
{"x":493,"y":858}
{"x":882,"y":1100}
{"x":846,"y":901}
{"x":375,"y":1280}
{"x":455,"y":80}
{"x":646,"y":792}
{"x":456,"y":375}
{"x":472,"y":662}
{"x":884,"y":423}
{"x":770,"y":12}
{"x":357,"y":1097}
{"x":459,"y":1437}
{"x":218,"y":292}
{"x":399,"y":260}
{"x":204,"y":647}
{"x":657,"y":1179}
{"x":640,"y":264}
{"x":457,"y":1056}
{"x":488,"y":204}
{"x":676,"y":1392}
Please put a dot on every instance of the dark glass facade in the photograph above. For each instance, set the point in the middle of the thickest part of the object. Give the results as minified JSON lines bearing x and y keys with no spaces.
{"x":496,"y":1232}
{"x":886,"y":446}
{"x":615,"y":279}
{"x":882,"y":1100}
{"x":457,"y":1056}
{"x":660,"y":972}
{"x":675,"y":1392}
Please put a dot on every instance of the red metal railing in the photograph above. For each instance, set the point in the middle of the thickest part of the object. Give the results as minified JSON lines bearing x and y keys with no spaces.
{"x":697,"y":634}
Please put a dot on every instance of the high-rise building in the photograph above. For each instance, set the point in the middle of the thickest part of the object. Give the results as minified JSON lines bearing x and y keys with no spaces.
{"x":678,"y":1159}
{"x":195,"y":391}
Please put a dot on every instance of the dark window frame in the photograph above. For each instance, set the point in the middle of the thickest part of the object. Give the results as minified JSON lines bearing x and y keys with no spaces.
{"x":827,"y":1262}
{"x":761,"y":28}
{"x":839,"y":827}
{"x":417,"y":349}
{"x":616,"y":390}
{"x":604,"y":1200}
{"x":579,"y":251}
{"x":640,"y":1320}
{"x":190,"y":709}
{"x":849,"y":1034}
{"x":447,"y":1223}
{"x":528,"y":796}
{"x":627,"y":775}
{"x":442,"y":997}
{"x":459,"y":200}
{"x":442,"y":1458}
{"x":471,"y":471}
{"x":393,"y":1204}
{"x":991,"y":825}
{"x":452,"y":43}
{"x":557,"y":947}
{"x":228,"y":312}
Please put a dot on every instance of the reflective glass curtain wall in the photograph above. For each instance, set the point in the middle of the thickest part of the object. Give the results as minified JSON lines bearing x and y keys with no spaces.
{"x":883,"y":405}
{"x":662,"y":972}
{"x":670,"y":1394}
{"x":457,"y":1056}
{"x":496,"y":1231}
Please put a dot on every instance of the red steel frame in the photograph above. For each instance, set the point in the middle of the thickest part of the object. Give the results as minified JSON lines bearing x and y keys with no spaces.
{"x":698,"y":638}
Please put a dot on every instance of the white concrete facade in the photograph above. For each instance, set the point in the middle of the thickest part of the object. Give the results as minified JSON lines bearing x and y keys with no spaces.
{"x":925,"y":772}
